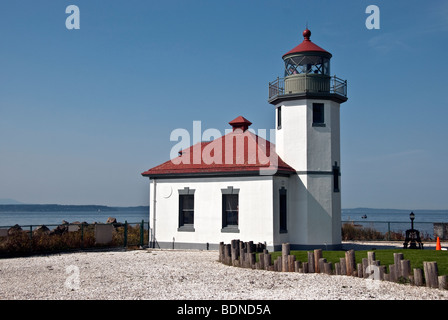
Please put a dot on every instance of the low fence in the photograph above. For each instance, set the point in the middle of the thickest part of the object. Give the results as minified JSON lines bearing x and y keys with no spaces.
{"x":391,"y":230}
{"x":244,"y":254}
{"x":31,"y":239}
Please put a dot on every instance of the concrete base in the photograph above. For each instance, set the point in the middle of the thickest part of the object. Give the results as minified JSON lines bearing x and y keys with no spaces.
{"x":215,"y":246}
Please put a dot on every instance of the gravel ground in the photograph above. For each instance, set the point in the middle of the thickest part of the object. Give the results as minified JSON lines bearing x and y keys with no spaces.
{"x":187,"y":275}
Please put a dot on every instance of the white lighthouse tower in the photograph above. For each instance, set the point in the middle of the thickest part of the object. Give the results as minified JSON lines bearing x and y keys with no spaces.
{"x":307,"y":102}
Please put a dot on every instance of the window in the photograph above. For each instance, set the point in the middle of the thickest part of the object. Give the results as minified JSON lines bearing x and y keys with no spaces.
{"x":186,"y":210}
{"x":279,"y":117}
{"x":318,"y":115}
{"x":283,"y":210}
{"x":230,"y":210}
{"x":336,"y":174}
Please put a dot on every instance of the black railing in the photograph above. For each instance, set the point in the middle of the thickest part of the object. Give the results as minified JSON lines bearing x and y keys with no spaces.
{"x":308,"y":84}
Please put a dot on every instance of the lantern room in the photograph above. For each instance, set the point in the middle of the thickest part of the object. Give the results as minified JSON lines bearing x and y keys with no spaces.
{"x":307,"y":73}
{"x":307,"y":58}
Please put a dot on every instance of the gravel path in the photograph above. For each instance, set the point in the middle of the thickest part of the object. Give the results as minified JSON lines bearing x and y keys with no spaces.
{"x":190,"y":275}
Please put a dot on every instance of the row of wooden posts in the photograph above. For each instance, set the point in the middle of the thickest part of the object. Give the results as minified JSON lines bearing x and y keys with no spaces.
{"x":243,"y":254}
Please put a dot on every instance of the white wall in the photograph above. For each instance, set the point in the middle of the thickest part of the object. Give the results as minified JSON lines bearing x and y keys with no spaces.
{"x":314,"y":209}
{"x":255,"y":210}
{"x":302,"y":146}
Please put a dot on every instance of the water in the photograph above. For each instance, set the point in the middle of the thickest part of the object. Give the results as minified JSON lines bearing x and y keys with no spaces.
{"x":55,"y":218}
{"x":377,"y":219}
{"x":396,"y":220}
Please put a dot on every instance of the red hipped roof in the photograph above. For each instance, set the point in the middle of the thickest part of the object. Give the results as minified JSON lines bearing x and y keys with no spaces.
{"x":306,"y":46}
{"x":238,"y":152}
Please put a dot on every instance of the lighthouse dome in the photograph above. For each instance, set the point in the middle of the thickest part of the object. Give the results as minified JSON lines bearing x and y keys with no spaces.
{"x":307,"y":46}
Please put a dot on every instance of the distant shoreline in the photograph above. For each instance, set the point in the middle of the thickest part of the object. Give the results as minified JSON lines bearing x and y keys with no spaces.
{"x":65,"y":208}
{"x":80,"y":208}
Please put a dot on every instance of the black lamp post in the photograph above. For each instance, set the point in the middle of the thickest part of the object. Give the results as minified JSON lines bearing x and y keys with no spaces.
{"x":412,"y":217}
{"x":412,"y":236}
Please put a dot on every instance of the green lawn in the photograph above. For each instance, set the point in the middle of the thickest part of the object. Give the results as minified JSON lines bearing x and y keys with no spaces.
{"x":386,"y":257}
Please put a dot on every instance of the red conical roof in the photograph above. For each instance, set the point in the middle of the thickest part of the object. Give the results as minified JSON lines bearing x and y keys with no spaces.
{"x":307,"y":45}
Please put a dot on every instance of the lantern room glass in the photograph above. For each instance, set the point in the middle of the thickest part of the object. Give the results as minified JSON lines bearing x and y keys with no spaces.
{"x":309,"y":64}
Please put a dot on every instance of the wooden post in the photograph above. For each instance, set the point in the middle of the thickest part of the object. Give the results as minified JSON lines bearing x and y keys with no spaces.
{"x":261,"y":260}
{"x":418,"y":277}
{"x":235,"y":251}
{"x":365,"y":264}
{"x":242,"y":250}
{"x":405,"y":268}
{"x":337,"y":268}
{"x":360,"y":271}
{"x":328,"y":268}
{"x":350,"y":261}
{"x":311,"y":262}
{"x":370,"y":257}
{"x":221,"y":251}
{"x":306,"y":267}
{"x":227,"y":255}
{"x":383,"y":270}
{"x":397,"y":261}
{"x":317,"y":256}
{"x":291,"y":261}
{"x":249,"y":251}
{"x":431,"y":274}
{"x":321,"y":265}
{"x":267,"y":260}
{"x":392,"y":273}
{"x":343,"y":266}
{"x":252,"y":260}
{"x":285,"y":254}
{"x":296,"y":266}
{"x":278,"y":264}
{"x":443,"y":282}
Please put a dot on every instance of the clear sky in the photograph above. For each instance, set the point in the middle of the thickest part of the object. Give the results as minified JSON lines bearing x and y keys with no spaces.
{"x":84,"y":112}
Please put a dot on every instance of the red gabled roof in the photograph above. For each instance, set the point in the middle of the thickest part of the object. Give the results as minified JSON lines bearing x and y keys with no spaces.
{"x":306,"y":46}
{"x":238,"y":152}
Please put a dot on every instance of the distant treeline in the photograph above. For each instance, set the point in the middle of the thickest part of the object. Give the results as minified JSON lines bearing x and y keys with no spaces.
{"x":64,"y":208}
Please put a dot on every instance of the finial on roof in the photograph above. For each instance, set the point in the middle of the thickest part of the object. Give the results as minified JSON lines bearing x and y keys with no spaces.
{"x":307,"y":34}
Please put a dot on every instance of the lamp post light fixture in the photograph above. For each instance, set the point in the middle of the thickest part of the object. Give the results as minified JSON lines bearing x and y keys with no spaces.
{"x":412,"y":217}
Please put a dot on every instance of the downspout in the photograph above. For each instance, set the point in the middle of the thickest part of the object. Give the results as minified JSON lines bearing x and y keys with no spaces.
{"x":154,"y":206}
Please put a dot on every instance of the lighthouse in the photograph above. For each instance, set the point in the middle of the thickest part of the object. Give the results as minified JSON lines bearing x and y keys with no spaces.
{"x":307,"y":123}
{"x":242,"y":186}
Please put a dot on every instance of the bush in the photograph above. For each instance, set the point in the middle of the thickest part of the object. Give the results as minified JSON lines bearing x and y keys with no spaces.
{"x":19,"y":242}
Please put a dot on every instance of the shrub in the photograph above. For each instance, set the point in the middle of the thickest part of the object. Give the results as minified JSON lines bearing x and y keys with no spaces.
{"x":19,"y":242}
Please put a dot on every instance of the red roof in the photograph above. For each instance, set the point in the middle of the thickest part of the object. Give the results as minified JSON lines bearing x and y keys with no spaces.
{"x":240,"y":123}
{"x":238,"y":152}
{"x":306,"y":46}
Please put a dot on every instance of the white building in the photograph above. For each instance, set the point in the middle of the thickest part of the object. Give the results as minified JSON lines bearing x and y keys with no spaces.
{"x":241,"y":186}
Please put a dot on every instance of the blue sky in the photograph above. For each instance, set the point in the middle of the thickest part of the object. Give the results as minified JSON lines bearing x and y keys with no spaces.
{"x":84,"y":112}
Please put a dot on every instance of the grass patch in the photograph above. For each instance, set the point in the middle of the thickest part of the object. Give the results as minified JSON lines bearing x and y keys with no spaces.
{"x":385,"y":256}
